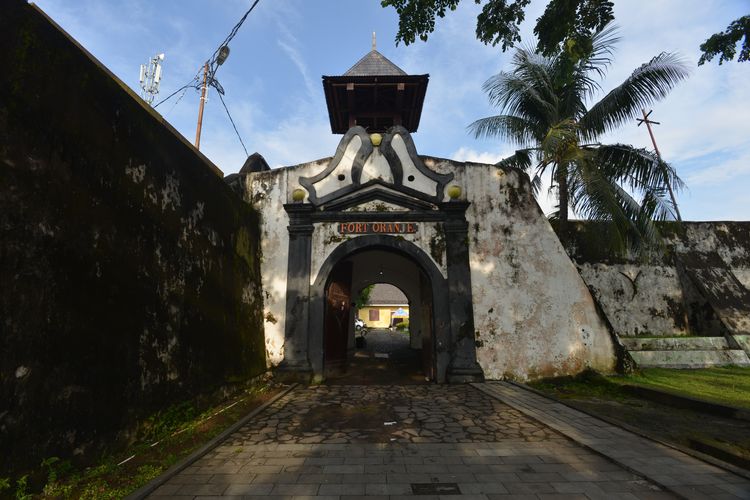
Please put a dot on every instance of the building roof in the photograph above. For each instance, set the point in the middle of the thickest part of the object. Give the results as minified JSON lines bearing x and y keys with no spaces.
{"x":383,"y":293}
{"x":374,"y":64}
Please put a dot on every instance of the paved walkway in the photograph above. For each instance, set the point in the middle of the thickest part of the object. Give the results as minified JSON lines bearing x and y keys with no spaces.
{"x":492,"y":441}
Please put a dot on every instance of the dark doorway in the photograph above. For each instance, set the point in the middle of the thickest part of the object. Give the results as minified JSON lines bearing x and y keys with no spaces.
{"x":337,"y":318}
{"x":374,"y":259}
{"x":378,"y":343}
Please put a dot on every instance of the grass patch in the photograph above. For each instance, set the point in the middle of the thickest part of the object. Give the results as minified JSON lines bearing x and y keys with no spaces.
{"x":726,"y":385}
{"x":165,"y":438}
{"x":588,"y":384}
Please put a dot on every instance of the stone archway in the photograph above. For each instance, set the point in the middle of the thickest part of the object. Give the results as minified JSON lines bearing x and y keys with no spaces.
{"x":435,"y":285}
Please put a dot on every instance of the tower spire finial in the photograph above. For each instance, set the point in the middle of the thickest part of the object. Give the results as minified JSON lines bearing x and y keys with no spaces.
{"x":374,"y":41}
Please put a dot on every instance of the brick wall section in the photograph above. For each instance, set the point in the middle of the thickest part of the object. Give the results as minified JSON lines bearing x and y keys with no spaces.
{"x":129,"y":271}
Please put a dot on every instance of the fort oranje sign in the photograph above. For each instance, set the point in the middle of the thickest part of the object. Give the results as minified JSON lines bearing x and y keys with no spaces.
{"x":377,"y":227}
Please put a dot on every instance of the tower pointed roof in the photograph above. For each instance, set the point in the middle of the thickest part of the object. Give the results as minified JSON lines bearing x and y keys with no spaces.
{"x":374,"y":64}
{"x":375,"y":94}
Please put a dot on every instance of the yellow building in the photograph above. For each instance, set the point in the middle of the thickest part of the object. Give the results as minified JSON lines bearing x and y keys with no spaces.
{"x":386,"y":307}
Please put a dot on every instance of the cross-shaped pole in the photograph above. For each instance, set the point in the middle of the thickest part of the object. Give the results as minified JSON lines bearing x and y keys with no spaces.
{"x":648,"y":123}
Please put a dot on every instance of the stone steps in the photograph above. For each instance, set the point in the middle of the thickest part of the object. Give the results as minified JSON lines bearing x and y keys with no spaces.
{"x":684,"y":352}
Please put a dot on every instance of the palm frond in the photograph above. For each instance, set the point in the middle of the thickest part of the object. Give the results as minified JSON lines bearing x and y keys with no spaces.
{"x":603,"y":43}
{"x":521,"y":160}
{"x":638,"y":168}
{"x":514,"y":129}
{"x":597,"y":196}
{"x":649,"y":83}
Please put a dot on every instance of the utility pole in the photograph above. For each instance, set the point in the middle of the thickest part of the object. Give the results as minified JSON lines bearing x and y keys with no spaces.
{"x":204,"y":89}
{"x":648,"y":123}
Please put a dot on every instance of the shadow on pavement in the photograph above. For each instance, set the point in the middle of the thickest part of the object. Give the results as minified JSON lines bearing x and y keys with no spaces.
{"x":386,"y":359}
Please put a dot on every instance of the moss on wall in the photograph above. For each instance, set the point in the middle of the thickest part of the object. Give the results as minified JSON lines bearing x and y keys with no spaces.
{"x":130,"y":271}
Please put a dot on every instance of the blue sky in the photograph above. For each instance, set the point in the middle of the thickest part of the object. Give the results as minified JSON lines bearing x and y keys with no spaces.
{"x":274,"y":91}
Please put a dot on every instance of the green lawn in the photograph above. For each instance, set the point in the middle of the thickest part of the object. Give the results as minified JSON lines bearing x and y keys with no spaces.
{"x":730,"y":385}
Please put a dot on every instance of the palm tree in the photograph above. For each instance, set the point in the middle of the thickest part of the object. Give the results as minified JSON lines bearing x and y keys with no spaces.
{"x":543,"y":102}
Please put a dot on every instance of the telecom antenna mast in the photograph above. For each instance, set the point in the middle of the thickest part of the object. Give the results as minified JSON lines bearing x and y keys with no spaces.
{"x":150,"y":78}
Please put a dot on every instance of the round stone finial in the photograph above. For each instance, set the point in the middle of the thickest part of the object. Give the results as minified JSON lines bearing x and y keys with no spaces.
{"x":454,"y":192}
{"x":376,"y":139}
{"x":298,"y":195}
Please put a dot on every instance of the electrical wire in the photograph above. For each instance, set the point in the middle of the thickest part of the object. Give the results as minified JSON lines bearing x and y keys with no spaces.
{"x":213,"y":60}
{"x":221,"y":98}
{"x":193,"y":83}
{"x":177,"y":101}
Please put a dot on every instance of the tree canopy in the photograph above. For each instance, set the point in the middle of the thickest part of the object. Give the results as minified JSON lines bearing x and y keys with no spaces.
{"x":543,"y":106}
{"x":565,"y":24}
{"x":724,"y":44}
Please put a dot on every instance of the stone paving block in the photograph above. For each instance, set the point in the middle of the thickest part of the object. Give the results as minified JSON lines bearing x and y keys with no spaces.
{"x":184,"y":478}
{"x":320,"y":478}
{"x":284,"y":477}
{"x":482,"y":488}
{"x":539,"y":477}
{"x":344,"y":469}
{"x":342,"y":489}
{"x":584,"y":487}
{"x":529,"y":487}
{"x":363,"y":478}
{"x":261,"y":469}
{"x":179,"y":497}
{"x":385,"y":468}
{"x":285,"y":461}
{"x":562,"y":496}
{"x":295,"y":489}
{"x":410,"y":497}
{"x":232,"y":478}
{"x":512,"y":497}
{"x":427,"y":468}
{"x":304,"y":469}
{"x":249,"y":489}
{"x":368,"y":497}
{"x":462,"y":497}
{"x":202,"y":489}
{"x":494,"y":477}
{"x":388,"y":489}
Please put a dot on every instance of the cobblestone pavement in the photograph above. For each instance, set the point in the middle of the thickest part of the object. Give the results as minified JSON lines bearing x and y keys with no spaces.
{"x":378,"y":442}
{"x":384,"y":414}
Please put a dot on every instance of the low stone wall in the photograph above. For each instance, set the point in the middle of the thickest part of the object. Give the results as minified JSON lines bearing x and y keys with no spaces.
{"x":129,"y":270}
{"x":657,"y":297}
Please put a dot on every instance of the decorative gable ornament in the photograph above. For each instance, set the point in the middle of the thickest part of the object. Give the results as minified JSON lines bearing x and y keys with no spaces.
{"x":392,"y":172}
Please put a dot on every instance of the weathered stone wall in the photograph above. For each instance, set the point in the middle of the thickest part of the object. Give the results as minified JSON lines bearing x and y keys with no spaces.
{"x":656,"y":296}
{"x":129,"y":270}
{"x":533,"y":314}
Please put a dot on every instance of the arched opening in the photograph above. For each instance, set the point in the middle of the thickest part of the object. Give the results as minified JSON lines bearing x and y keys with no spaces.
{"x":355,"y":265}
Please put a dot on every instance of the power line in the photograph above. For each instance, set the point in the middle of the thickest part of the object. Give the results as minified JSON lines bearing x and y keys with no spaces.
{"x":184,"y":91}
{"x":221,"y":98}
{"x":212,"y":61}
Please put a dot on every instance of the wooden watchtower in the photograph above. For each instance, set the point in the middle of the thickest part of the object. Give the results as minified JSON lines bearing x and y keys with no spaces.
{"x":375,"y":94}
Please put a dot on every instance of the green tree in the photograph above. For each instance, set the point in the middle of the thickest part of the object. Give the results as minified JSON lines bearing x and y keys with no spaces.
{"x":543,"y":106}
{"x":724,"y":44}
{"x":565,"y":24}
{"x":363,"y":297}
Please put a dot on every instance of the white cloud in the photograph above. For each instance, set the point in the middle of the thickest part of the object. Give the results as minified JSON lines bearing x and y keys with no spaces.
{"x":708,"y":173}
{"x":471,"y":155}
